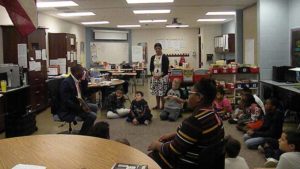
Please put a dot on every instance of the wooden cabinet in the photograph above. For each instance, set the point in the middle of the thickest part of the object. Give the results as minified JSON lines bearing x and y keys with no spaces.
{"x":36,"y":41}
{"x":62,"y":46}
{"x":2,"y":114}
{"x":225,"y":43}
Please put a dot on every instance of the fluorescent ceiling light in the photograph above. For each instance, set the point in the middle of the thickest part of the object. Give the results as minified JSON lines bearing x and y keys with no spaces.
{"x":153,"y":21}
{"x":211,"y":20}
{"x":152,"y":11}
{"x":76,"y":14}
{"x":148,"y":1}
{"x":177,"y":26}
{"x":220,"y":13}
{"x":55,"y":4}
{"x":128,"y":26}
{"x":95,"y":23}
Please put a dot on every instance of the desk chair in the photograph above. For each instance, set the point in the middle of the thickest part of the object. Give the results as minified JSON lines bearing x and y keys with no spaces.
{"x":55,"y":101}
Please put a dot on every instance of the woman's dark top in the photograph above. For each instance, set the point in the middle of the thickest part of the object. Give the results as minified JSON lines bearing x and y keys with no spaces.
{"x":164,"y":67}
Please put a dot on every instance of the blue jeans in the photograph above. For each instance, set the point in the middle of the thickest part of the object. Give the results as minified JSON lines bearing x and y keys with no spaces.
{"x":253,"y":143}
{"x":93,"y":107}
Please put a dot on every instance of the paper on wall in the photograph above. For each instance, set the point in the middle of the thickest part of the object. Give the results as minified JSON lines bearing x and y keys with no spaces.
{"x":72,"y":41}
{"x":75,"y":56}
{"x":53,"y":62}
{"x":34,"y":66}
{"x":38,"y":54}
{"x":22,"y":55}
{"x":72,"y":57}
{"x":44,"y":55}
{"x":68,"y":56}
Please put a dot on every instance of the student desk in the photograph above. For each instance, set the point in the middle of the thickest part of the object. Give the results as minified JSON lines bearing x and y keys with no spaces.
{"x":69,"y":152}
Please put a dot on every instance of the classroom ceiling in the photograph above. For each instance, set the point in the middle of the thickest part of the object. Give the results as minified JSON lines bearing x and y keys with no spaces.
{"x":118,"y":12}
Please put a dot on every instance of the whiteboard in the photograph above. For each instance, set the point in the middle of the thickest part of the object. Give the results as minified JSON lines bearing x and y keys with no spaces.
{"x":111,"y":52}
{"x":137,"y":53}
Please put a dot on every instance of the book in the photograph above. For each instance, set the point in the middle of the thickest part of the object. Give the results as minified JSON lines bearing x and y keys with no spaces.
{"x":129,"y":166}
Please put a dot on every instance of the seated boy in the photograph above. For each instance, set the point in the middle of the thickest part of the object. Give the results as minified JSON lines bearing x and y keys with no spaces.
{"x":139,"y":110}
{"x":232,"y":150}
{"x":115,"y":105}
{"x":173,"y":102}
{"x":271,"y":127}
{"x":222,"y":105}
{"x":287,"y":151}
{"x":290,"y":144}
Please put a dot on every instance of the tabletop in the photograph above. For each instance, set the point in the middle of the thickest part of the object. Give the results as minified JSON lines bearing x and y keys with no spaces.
{"x":106,"y":83}
{"x":69,"y":152}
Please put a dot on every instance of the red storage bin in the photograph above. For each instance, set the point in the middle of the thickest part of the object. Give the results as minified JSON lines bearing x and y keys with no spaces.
{"x":224,"y":70}
{"x":232,"y":70}
{"x":254,"y":69}
{"x":215,"y":70}
{"x":197,"y":78}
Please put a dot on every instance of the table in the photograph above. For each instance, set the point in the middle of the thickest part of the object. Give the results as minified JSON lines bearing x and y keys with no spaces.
{"x":128,"y":74}
{"x":69,"y":152}
{"x":113,"y":83}
{"x":100,"y":87}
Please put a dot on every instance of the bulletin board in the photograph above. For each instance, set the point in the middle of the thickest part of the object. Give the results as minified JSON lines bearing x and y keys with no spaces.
{"x":111,"y":52}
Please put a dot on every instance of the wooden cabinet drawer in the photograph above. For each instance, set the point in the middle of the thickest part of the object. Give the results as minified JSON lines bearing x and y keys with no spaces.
{"x":38,"y":96}
{"x":36,"y":78}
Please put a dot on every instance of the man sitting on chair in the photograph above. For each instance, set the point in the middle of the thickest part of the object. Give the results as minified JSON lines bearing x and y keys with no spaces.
{"x":72,"y":104}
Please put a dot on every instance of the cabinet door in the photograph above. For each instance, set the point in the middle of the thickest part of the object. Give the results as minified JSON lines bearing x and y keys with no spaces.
{"x":11,"y":39}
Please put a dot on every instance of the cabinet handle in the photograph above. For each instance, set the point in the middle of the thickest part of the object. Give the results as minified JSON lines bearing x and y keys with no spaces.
{"x":36,"y":79}
{"x":37,"y":92}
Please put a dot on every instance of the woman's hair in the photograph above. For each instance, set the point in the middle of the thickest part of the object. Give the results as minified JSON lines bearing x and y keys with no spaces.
{"x":249,"y":99}
{"x":293,"y":137}
{"x":221,"y":90}
{"x":157,"y":45}
{"x":207,"y":88}
{"x":100,"y":129}
{"x":232,"y":147}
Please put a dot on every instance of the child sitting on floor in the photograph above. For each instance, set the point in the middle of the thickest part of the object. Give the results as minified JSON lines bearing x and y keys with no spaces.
{"x":232,"y":150}
{"x":286,"y":150}
{"x":222,"y":105}
{"x":252,"y":116}
{"x":174,"y":100}
{"x":271,"y":127}
{"x":115,"y":105}
{"x":139,"y":110}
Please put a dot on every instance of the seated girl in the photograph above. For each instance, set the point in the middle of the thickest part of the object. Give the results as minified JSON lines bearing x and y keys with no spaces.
{"x":222,"y":105}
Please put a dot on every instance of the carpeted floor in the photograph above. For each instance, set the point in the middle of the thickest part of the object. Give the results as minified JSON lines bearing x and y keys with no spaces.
{"x":141,"y":136}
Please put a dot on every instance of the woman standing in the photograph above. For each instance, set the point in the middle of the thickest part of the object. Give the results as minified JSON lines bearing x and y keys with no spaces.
{"x":159,"y":67}
{"x":198,"y":142}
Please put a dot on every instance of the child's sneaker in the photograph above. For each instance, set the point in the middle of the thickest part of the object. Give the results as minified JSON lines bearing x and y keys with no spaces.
{"x":146,"y":122}
{"x":271,"y":163}
{"x":261,"y":149}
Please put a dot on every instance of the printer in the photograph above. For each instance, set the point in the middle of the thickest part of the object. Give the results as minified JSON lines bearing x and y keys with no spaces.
{"x":10,"y":73}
